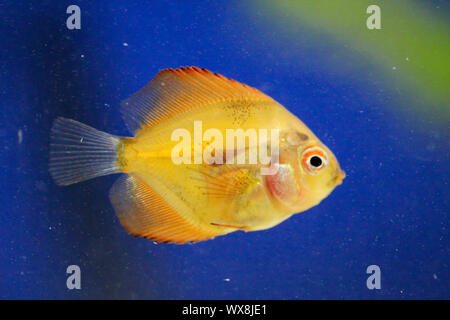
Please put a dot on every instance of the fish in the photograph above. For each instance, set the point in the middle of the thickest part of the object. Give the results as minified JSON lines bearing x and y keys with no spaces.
{"x":175,"y":189}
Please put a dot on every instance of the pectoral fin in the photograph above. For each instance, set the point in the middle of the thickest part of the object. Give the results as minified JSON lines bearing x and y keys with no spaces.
{"x":225,"y":182}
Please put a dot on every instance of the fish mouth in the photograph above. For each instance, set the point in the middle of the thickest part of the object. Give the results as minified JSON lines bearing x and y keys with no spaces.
{"x":338,"y":178}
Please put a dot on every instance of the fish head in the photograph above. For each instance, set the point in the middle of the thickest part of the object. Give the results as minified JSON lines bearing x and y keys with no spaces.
{"x":306,"y":174}
{"x":319,"y":172}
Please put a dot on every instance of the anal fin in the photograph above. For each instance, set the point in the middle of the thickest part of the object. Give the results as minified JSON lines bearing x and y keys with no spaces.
{"x":144,"y":213}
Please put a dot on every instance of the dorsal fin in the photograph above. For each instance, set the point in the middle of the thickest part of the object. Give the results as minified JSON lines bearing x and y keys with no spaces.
{"x":144,"y":213}
{"x":173,"y":91}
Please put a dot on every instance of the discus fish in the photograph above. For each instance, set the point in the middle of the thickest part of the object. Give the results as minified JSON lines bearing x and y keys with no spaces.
{"x":189,"y":201}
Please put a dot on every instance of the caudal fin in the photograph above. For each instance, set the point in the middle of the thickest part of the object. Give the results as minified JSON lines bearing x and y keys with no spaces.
{"x":79,"y":152}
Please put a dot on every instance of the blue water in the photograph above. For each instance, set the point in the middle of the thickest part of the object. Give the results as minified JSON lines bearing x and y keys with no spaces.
{"x":392,"y":209}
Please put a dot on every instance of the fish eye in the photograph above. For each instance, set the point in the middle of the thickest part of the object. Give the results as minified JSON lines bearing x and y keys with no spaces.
{"x":314,"y":160}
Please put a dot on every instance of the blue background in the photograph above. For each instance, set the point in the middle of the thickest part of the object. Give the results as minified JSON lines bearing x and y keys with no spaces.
{"x":392,"y":209}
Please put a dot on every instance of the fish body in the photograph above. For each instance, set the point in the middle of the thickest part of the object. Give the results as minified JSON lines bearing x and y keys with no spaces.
{"x":200,"y":197}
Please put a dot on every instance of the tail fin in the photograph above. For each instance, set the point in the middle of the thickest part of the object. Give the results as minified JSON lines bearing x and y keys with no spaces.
{"x":79,"y":152}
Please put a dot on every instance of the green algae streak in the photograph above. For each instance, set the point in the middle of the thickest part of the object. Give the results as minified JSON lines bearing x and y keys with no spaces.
{"x":411,"y":50}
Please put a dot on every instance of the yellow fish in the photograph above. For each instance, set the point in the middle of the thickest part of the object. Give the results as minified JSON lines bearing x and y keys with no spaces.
{"x":170,"y":193}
